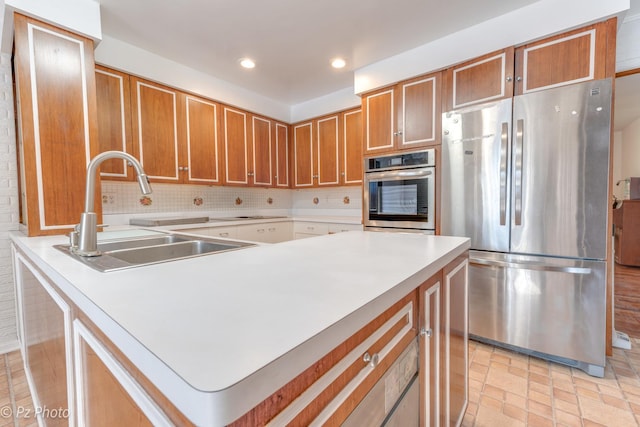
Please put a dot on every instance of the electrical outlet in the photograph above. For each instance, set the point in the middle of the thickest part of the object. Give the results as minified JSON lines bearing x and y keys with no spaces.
{"x":108,"y":199}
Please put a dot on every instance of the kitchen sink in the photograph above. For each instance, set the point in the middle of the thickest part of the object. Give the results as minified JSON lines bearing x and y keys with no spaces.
{"x":137,"y":252}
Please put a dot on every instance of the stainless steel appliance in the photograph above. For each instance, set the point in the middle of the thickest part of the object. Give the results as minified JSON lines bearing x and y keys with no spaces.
{"x":527,"y":180}
{"x":399,"y":192}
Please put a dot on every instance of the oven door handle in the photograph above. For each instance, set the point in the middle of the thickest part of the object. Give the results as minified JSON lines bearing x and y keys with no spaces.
{"x":398,"y":175}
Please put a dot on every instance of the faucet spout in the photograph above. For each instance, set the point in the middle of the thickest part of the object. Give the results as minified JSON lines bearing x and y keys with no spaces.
{"x":84,"y":241}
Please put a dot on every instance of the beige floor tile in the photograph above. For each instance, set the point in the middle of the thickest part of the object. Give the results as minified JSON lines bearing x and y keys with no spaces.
{"x":570,"y":408}
{"x":599,"y":412}
{"x":541,"y":370}
{"x":587,"y":393}
{"x":567,"y":419}
{"x":540,"y":397}
{"x":540,"y":379}
{"x":515,"y":412}
{"x":535,"y":420}
{"x":516,"y":400}
{"x":507,"y":381}
{"x":614,"y":401}
{"x":541,"y":388}
{"x":495,"y":392}
{"x":589,"y":385}
{"x":540,"y":409}
{"x":490,"y":402}
{"x":490,"y":417}
{"x":564,"y":395}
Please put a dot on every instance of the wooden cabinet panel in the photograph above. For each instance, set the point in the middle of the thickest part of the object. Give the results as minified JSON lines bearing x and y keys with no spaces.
{"x":378,"y":109}
{"x":114,"y":121}
{"x":484,"y":79}
{"x":261,"y":152}
{"x":235,"y":146}
{"x":419,"y":118}
{"x":303,"y":155}
{"x":352,"y":143}
{"x":568,"y":58}
{"x":155,"y":129}
{"x":282,"y":155}
{"x":200,"y":158}
{"x":327,"y":151}
{"x":55,"y":86}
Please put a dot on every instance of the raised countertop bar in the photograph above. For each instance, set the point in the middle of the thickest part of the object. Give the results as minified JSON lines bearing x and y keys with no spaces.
{"x":217,"y":334}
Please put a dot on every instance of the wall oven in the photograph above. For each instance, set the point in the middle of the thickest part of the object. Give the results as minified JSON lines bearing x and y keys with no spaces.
{"x":399,"y":192}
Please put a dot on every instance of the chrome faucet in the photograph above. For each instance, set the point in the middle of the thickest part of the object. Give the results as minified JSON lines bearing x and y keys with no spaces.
{"x":84,"y":239}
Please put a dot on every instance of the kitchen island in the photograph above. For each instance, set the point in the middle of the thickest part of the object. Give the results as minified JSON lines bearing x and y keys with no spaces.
{"x":204,"y":340}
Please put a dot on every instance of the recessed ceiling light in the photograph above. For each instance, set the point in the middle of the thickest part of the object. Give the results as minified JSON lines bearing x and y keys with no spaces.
{"x":338,"y":63}
{"x":247,"y":63}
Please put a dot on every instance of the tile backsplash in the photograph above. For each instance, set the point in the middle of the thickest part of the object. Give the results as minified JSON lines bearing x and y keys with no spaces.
{"x":122,"y":200}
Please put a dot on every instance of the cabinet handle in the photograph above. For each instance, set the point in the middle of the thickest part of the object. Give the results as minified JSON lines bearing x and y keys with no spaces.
{"x":310,"y":228}
{"x":223,"y":234}
{"x":426,"y":332}
{"x":372,"y":360}
{"x":260,"y":230}
{"x":272,"y":229}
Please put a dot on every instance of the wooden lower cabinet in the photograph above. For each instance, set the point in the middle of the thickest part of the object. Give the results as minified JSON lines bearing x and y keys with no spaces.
{"x":443,"y":346}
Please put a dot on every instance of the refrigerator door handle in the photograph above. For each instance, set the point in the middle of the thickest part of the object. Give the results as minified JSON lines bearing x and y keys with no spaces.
{"x":504,"y":141}
{"x":528,"y":266}
{"x":518,"y":170}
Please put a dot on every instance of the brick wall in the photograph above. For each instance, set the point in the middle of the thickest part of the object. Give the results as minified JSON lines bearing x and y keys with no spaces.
{"x":8,"y":205}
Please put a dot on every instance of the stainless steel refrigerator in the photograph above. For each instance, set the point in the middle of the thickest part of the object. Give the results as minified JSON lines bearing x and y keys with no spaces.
{"x":527,"y":180}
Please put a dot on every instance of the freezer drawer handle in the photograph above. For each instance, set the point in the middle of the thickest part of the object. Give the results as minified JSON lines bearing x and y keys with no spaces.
{"x":528,"y":266}
{"x":504,"y":140}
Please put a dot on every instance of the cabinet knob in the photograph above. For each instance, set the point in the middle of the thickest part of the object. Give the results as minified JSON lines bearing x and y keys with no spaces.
{"x":518,"y":79}
{"x":250,"y":174}
{"x":372,"y":360}
{"x":509,"y":79}
{"x":426,"y":332}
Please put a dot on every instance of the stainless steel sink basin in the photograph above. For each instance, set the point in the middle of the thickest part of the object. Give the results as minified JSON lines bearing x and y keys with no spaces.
{"x":137,"y":252}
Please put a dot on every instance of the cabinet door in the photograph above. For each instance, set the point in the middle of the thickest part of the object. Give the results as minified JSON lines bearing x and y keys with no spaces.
{"x":456,"y":337}
{"x":55,"y":86}
{"x":261,"y":152}
{"x":327,"y":151}
{"x":199,"y":158}
{"x":114,"y":121}
{"x":155,"y":129}
{"x":484,"y":79}
{"x":419,"y":118}
{"x":572,"y":57}
{"x":352,"y":147}
{"x":46,"y":321}
{"x":379,"y":116}
{"x":282,"y":155}
{"x":303,"y":155}
{"x":235,"y":147}
{"x":431,"y":337}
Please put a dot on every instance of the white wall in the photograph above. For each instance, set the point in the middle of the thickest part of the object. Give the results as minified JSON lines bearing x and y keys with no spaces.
{"x":8,"y":206}
{"x":528,"y":23}
{"x":630,"y":151}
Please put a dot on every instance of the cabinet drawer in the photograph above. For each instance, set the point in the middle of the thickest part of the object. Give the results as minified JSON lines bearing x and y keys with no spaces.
{"x":226,"y":232}
{"x":329,"y":390}
{"x":339,"y":228}
{"x":317,"y":228}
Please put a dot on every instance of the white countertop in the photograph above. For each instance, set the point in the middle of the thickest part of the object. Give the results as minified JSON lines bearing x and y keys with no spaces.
{"x":219,"y":333}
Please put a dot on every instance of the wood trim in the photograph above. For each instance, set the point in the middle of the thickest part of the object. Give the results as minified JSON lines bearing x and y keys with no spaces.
{"x":627,"y":73}
{"x":430,"y":379}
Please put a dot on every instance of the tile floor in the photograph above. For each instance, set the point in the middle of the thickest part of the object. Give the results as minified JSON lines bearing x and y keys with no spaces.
{"x":16,"y":406}
{"x":505,"y":389}
{"x":509,"y":389}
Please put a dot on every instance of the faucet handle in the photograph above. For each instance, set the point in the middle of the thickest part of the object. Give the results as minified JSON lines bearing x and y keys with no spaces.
{"x":74,"y":237}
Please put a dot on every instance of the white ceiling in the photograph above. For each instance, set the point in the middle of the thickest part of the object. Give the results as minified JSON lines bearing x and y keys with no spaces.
{"x":291,"y":41}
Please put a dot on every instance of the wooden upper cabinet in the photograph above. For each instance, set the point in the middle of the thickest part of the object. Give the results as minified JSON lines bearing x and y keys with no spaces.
{"x":303,"y":155}
{"x":155,"y":132}
{"x":261,"y":152}
{"x":281,"y":156}
{"x":56,"y":103}
{"x":405,"y":116}
{"x":327,"y":151}
{"x":199,"y":156}
{"x":378,"y":108}
{"x":484,"y":79}
{"x":236,"y":146}
{"x":568,"y":58}
{"x":352,"y":147}
{"x":114,"y":121}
